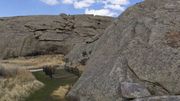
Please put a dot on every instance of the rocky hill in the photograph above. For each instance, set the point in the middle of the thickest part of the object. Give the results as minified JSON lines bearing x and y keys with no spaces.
{"x":138,"y":57}
{"x":38,"y":35}
{"x":52,"y":37}
{"x":135,"y":57}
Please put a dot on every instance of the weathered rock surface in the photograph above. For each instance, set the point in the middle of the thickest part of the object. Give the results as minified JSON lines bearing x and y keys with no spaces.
{"x":34,"y":35}
{"x":159,"y":98}
{"x":141,"y":46}
{"x":133,"y":90}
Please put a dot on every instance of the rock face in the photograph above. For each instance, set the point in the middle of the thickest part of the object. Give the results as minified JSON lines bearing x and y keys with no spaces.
{"x":159,"y":98}
{"x":35,"y":35}
{"x":133,"y":90}
{"x":142,"y":46}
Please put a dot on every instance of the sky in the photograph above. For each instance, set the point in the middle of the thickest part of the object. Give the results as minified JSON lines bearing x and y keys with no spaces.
{"x":56,"y":7}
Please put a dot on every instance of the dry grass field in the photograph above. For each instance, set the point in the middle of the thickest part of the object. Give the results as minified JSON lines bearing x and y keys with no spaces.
{"x":34,"y":62}
{"x":16,"y":84}
{"x":61,"y":92}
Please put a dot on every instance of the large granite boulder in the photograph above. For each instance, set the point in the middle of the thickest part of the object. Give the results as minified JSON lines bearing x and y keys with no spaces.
{"x":36,"y":35}
{"x":143,"y":47}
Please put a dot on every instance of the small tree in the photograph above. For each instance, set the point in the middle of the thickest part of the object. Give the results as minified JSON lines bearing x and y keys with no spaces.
{"x":49,"y":71}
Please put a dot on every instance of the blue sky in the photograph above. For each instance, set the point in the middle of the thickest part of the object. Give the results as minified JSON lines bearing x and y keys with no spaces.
{"x":55,"y":7}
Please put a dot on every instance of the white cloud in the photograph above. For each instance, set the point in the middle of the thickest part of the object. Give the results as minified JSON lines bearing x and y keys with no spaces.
{"x":115,"y":4}
{"x":50,"y":2}
{"x":83,"y":3}
{"x":67,"y":1}
{"x":103,"y":12}
{"x":114,"y":7}
{"x":106,"y":7}
{"x":112,"y":4}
